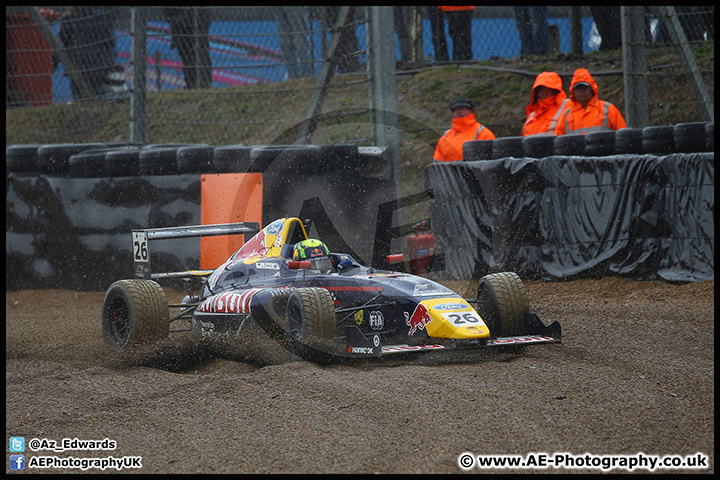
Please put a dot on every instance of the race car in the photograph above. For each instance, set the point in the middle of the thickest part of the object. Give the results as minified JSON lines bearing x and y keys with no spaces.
{"x":318,"y":303}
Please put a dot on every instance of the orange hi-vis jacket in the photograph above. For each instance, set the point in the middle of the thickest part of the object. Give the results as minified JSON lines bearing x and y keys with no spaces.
{"x":542,"y":115}
{"x":599,"y":115}
{"x":450,"y":146}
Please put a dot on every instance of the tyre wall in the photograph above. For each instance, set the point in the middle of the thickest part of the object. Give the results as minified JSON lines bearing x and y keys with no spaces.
{"x":643,"y":216}
{"x":70,"y":208}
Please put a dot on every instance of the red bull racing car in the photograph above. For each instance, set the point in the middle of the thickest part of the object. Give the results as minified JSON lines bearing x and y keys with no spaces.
{"x":316,"y":302}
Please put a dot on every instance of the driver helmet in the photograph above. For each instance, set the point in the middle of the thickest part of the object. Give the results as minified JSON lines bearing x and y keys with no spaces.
{"x":314,"y":251}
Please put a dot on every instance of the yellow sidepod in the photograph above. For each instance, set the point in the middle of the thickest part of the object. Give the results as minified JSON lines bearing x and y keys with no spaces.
{"x":454,"y":318}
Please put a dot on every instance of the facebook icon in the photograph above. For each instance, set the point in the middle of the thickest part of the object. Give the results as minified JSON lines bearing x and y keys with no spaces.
{"x":17,"y":462}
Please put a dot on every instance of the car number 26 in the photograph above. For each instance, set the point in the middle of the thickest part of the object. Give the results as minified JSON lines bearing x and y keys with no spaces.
{"x":140,"y":250}
{"x":462,"y":318}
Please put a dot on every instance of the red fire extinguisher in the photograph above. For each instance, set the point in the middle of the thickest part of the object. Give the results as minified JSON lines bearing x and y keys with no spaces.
{"x":422,"y":247}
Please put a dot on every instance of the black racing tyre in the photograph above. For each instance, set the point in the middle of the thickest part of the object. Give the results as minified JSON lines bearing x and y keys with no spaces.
{"x":55,"y":159}
{"x":88,"y":164}
{"x":372,"y":162}
{"x":502,"y":304}
{"x":195,"y":159}
{"x":569,"y":144}
{"x":507,"y":147}
{"x":475,"y":150}
{"x":296,"y":158}
{"x":134,"y":312}
{"x":628,"y":141}
{"x":231,"y":159}
{"x":158,"y":160}
{"x":168,"y":145}
{"x":538,"y":146}
{"x":600,"y":144}
{"x":21,"y":158}
{"x":311,"y":313}
{"x":658,"y":140}
{"x":346,"y":156}
{"x":689,"y":137}
{"x":123,"y":162}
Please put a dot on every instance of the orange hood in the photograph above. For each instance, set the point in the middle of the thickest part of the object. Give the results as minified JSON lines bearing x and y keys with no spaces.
{"x":549,"y":80}
{"x":582,"y":75}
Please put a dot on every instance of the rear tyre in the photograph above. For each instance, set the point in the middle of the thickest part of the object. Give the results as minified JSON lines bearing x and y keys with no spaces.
{"x":502,"y":303}
{"x":134,"y":312}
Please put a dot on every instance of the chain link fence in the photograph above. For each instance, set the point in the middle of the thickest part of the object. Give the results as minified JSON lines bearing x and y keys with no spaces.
{"x":678,"y":47}
{"x":242,"y":56}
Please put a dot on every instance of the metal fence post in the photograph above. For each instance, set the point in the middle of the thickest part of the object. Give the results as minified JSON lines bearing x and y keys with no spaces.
{"x":634,"y":76}
{"x":383,"y":85}
{"x":687,"y":60}
{"x":138,"y":60}
{"x":576,"y":38}
{"x":317,"y":99}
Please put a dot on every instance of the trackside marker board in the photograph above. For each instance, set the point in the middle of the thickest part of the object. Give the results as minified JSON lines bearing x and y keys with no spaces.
{"x":227,"y":198}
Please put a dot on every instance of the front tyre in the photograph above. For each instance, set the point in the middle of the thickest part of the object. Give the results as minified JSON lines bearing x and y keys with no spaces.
{"x":134,"y":312}
{"x":502,"y":303}
{"x":311,"y":313}
{"x":311,"y":325}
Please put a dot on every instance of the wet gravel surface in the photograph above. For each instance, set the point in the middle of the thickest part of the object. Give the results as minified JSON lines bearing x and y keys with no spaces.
{"x":635,"y":373}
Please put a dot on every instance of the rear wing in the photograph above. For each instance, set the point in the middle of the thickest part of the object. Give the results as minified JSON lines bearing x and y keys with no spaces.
{"x":141,"y":243}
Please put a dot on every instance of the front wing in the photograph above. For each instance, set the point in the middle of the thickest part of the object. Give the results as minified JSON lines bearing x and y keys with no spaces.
{"x":360,"y":345}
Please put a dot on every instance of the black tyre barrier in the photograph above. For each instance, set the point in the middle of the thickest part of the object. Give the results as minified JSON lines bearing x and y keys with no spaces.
{"x":195,"y":159}
{"x":89,"y":163}
{"x":158,"y":160}
{"x":710,"y":136}
{"x":54,"y":159}
{"x":283,"y":156}
{"x":570,"y":144}
{"x":628,"y":141}
{"x":123,"y":162}
{"x":340,"y":156}
{"x":477,"y":150}
{"x":658,"y":140}
{"x":373,"y":162}
{"x":168,"y":145}
{"x":21,"y":158}
{"x":507,"y":147}
{"x":123,"y":144}
{"x":600,"y":144}
{"x":689,"y":137}
{"x":538,"y":146}
{"x":231,"y":159}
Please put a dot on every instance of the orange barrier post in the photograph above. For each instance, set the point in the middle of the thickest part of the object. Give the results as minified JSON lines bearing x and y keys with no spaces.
{"x":228,"y":198}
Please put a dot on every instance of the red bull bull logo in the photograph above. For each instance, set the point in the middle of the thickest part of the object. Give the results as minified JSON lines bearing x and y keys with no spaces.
{"x":419,"y":318}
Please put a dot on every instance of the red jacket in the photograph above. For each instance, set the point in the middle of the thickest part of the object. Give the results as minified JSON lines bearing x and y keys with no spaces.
{"x":599,"y":115}
{"x":542,"y":115}
{"x":449,"y":147}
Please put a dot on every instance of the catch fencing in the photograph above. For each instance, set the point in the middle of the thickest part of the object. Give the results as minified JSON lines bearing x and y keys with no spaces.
{"x":249,"y":55}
